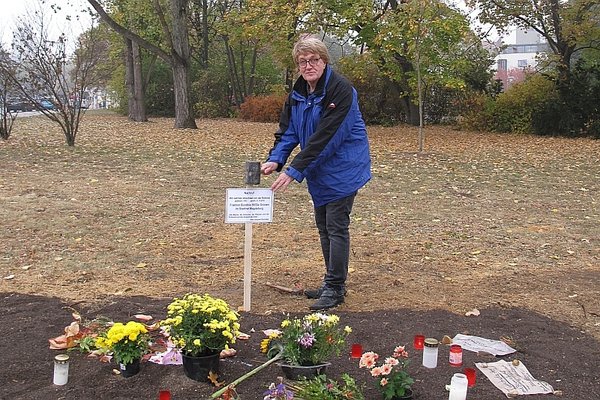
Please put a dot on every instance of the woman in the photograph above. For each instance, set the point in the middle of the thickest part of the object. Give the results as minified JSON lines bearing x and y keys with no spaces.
{"x":321,"y":115}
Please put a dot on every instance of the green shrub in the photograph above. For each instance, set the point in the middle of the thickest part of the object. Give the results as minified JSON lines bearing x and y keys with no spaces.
{"x":379,"y":100}
{"x":514,"y":110}
{"x":472,"y":108}
{"x":262,"y":108}
{"x":576,"y":112}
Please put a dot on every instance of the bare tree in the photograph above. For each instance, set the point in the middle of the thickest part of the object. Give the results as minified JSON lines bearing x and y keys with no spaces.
{"x":7,"y":117}
{"x":47,"y":73}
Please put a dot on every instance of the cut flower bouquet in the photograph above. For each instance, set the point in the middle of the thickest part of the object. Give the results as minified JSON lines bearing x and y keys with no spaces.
{"x":394,"y":381}
{"x":199,"y":325}
{"x":310,"y":340}
{"x":127,"y":342}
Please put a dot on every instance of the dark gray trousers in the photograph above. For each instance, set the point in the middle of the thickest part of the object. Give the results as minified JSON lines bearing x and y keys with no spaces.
{"x":333,"y":221}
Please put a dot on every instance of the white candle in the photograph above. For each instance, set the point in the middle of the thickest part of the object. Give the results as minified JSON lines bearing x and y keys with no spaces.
{"x":61,"y":369}
{"x":458,"y":387}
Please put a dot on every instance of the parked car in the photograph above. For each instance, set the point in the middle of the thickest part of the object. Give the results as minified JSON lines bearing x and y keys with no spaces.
{"x":21,"y":106}
{"x":47,"y":105}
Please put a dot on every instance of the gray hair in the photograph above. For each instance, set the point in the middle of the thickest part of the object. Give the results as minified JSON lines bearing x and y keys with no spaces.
{"x":310,"y":45}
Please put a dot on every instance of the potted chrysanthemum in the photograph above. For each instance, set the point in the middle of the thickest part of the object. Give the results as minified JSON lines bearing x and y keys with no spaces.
{"x":306,"y":344}
{"x":200,"y":326}
{"x":127,"y":343}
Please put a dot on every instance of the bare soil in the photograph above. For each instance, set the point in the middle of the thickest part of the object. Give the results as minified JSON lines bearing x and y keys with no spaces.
{"x":133,"y":215}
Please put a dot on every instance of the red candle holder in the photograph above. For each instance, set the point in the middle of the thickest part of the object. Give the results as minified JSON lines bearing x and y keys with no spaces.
{"x":356,"y":351}
{"x":164,"y":395}
{"x":470,"y":373}
{"x":418,"y":342}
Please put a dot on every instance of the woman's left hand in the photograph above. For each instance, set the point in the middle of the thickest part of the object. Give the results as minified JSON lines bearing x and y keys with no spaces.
{"x":282,"y":182}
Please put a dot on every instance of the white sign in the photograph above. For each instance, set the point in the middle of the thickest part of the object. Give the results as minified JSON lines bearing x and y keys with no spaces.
{"x":249,"y":205}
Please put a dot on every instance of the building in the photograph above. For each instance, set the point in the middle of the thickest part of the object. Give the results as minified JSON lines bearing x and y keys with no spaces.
{"x":517,"y":54}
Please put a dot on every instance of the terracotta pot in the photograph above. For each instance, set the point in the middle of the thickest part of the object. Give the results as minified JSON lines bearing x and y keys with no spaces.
{"x":295,"y":372}
{"x":131,"y":369}
{"x":199,"y":368}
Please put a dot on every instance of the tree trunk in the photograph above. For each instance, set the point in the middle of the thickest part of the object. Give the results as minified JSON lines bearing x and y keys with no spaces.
{"x":136,"y":103}
{"x":139,"y":92}
{"x":411,"y":110}
{"x":205,"y":40}
{"x":182,"y":84}
{"x":129,"y":78}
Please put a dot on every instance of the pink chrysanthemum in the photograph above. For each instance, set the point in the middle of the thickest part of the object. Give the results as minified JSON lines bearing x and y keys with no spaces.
{"x":368,"y":360}
{"x":386,"y":369}
{"x":392,"y":361}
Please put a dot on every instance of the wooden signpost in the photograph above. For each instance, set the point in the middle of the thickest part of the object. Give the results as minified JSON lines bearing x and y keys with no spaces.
{"x":249,"y":205}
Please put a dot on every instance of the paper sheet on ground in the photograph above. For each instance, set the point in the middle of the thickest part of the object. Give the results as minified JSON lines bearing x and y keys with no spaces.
{"x":477,"y":344}
{"x":169,"y":357}
{"x":513,"y":380}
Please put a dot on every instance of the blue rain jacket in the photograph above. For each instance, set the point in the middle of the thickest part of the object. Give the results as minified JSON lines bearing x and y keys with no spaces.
{"x":334,"y":153}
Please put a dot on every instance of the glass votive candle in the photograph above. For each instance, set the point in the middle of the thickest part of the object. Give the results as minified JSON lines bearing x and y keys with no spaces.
{"x":471,"y":376}
{"x":455,"y":355}
{"x":430,"y":353}
{"x":61,"y":369}
{"x":356,"y":351}
{"x":418,"y":342}
{"x":458,"y":387}
{"x":164,"y":395}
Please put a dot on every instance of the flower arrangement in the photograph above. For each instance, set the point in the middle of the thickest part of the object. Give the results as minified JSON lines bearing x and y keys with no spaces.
{"x":200,"y":324}
{"x":394,"y":381}
{"x":278,"y":391}
{"x":310,"y":340}
{"x":127,"y":342}
{"x":322,"y":388}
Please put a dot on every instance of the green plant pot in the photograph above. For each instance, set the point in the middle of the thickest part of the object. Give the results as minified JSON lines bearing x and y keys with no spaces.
{"x":296,"y":372}
{"x":199,"y":368}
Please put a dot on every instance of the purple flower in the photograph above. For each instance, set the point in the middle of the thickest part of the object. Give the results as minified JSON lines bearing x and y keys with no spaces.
{"x":306,"y":340}
{"x":278,"y":391}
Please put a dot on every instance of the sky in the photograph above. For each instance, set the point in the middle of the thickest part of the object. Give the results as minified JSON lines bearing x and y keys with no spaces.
{"x":11,"y":10}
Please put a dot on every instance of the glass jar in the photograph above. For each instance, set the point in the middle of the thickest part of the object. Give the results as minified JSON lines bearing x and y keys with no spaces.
{"x":430,"y":353}
{"x":455,"y":356}
{"x":61,"y":369}
{"x":458,"y":387}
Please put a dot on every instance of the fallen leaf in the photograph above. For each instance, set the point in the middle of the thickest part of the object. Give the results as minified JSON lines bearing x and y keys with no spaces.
{"x":226,"y":353}
{"x":143,"y":317}
{"x":214,"y":378}
{"x":446,"y":339}
{"x":9,"y":277}
{"x":475,"y":312}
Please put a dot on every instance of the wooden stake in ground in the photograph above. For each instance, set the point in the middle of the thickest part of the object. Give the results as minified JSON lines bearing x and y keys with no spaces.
{"x":252,"y":178}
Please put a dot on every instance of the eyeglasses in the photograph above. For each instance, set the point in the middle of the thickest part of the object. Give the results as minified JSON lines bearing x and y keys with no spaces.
{"x":312,"y":62}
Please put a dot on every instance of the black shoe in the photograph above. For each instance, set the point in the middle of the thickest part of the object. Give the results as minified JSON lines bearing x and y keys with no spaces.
{"x":316,"y":293}
{"x":313,"y":293}
{"x":329,"y":299}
